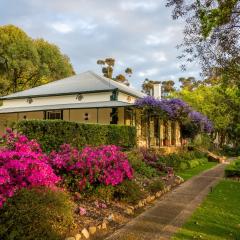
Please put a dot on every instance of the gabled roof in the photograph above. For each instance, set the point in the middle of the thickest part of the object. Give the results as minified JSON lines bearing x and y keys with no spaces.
{"x":85,"y":82}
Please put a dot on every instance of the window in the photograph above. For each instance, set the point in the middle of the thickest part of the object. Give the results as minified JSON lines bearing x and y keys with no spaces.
{"x":54,"y":114}
{"x":114,"y":116}
{"x":86,"y":117}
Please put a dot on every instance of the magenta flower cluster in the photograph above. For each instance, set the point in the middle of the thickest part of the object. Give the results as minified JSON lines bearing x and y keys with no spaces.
{"x":106,"y":165}
{"x":23,"y":165}
{"x":175,"y":109}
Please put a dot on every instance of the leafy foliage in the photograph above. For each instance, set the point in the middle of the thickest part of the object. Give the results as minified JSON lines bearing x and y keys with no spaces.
{"x":211,"y":36}
{"x":128,"y":191}
{"x":108,"y":68}
{"x":183,"y":160}
{"x":37,"y":213}
{"x":27,"y":63}
{"x":233,"y":169}
{"x":155,"y":186}
{"x":220,"y":105}
{"x":51,"y":134}
{"x":137,"y":162}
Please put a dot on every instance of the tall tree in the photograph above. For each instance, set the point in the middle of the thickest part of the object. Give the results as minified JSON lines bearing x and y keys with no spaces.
{"x":212,"y":35}
{"x":220,"y":105}
{"x":53,"y":64}
{"x":189,"y":83}
{"x":168,"y":86}
{"x":26,"y":63}
{"x":147,"y":86}
{"x":107,"y":66}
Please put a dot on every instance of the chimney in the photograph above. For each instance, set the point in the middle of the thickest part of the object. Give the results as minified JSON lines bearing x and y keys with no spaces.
{"x":157,"y":90}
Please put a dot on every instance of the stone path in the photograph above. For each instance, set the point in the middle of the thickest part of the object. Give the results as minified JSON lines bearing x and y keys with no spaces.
{"x":169,"y":213}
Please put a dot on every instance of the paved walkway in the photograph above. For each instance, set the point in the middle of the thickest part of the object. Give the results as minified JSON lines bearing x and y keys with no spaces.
{"x":169,"y":213}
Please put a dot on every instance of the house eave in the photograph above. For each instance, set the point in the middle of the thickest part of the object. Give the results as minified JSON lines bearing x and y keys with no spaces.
{"x":54,"y":95}
{"x":91,"y":105}
{"x":69,"y":93}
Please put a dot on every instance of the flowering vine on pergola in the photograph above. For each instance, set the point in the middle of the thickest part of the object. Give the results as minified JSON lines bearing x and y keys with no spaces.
{"x":176,"y":110}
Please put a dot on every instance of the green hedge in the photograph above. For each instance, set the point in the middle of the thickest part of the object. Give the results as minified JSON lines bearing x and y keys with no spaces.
{"x":52,"y":133}
{"x":233,"y":169}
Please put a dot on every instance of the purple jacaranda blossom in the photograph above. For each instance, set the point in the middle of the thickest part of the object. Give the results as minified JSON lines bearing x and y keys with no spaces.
{"x":175,"y":109}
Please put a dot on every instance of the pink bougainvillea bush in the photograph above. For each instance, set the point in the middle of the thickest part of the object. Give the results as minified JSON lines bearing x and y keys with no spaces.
{"x":23,"y":165}
{"x":93,"y":166}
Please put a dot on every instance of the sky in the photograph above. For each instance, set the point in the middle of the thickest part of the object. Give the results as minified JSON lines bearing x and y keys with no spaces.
{"x":139,"y":34}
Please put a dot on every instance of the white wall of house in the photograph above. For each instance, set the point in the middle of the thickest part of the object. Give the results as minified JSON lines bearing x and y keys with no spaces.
{"x":54,"y":100}
{"x":126,"y":98}
{"x":91,"y":115}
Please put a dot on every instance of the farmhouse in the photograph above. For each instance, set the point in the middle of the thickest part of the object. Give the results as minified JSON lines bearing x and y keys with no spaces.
{"x":90,"y":98}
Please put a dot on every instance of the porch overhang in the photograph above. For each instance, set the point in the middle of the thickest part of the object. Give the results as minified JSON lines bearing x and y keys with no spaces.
{"x":105,"y":104}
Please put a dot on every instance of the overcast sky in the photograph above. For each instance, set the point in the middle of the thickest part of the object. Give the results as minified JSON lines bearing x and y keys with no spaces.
{"x":138,"y":33}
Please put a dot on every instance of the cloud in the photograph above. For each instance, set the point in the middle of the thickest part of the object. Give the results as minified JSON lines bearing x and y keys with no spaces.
{"x":139,"y":34}
{"x":160,"y":56}
{"x":149,"y":72}
{"x":139,"y":5}
{"x":62,"y":27}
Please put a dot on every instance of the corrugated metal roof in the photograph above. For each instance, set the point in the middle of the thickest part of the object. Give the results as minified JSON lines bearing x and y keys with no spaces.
{"x":66,"y":106}
{"x":84,"y":82}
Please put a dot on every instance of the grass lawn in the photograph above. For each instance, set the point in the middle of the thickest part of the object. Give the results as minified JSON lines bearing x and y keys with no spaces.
{"x":218,"y":217}
{"x":188,"y":173}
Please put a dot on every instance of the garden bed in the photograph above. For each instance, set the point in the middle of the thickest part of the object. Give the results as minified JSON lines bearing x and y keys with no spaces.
{"x":101,"y":221}
{"x":72,"y":193}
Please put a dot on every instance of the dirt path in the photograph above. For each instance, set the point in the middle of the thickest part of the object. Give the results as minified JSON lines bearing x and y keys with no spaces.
{"x":168,"y":214}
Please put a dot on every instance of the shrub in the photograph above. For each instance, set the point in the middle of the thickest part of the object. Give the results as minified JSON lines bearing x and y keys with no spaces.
{"x":151,"y":158}
{"x":155,"y":185}
{"x":39,"y":214}
{"x":51,"y":134}
{"x":103,"y":192}
{"x":184,"y":160}
{"x":92,"y":166}
{"x":183,"y":166}
{"x":193,"y":163}
{"x":233,"y":169}
{"x":136,"y":160}
{"x":23,"y":165}
{"x":128,"y":191}
{"x":231,"y":151}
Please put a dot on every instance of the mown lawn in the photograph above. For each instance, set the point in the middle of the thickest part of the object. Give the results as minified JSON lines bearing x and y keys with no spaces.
{"x":188,"y":173}
{"x":218,"y":217}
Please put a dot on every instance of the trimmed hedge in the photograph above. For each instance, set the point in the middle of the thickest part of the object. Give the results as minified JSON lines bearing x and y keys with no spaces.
{"x":53,"y":133}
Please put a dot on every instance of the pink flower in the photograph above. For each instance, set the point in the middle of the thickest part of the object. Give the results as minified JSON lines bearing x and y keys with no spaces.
{"x":82,"y":211}
{"x":23,"y":165}
{"x":94,"y":165}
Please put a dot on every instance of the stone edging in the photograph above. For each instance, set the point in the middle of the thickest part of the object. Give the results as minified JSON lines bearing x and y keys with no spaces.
{"x":86,"y":233}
